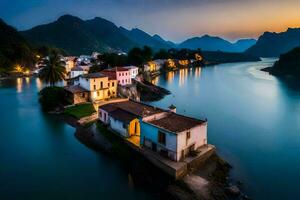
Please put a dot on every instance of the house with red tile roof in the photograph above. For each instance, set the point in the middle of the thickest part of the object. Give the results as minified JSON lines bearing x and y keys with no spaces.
{"x":163,"y":131}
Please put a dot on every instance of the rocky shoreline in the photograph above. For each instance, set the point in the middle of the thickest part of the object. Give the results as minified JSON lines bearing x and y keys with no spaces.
{"x":210,"y":182}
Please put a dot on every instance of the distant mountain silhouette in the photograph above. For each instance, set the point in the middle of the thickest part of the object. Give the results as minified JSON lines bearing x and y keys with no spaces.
{"x":274,"y":44}
{"x":77,"y":36}
{"x":143,"y":38}
{"x":212,"y":43}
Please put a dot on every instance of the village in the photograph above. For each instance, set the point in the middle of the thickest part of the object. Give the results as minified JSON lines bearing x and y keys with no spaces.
{"x":175,"y":143}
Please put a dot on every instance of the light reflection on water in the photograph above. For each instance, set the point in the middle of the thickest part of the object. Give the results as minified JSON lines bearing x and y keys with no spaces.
{"x":253,"y":118}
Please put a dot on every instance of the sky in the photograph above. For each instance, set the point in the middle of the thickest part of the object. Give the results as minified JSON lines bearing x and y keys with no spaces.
{"x":175,"y":20}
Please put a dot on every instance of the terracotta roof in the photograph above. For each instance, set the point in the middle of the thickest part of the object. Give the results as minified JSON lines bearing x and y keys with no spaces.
{"x":110,"y":74}
{"x":139,"y":109}
{"x":94,"y":75}
{"x":120,"y":69}
{"x":176,"y":123}
{"x":75,"y":89}
{"x":122,"y":115}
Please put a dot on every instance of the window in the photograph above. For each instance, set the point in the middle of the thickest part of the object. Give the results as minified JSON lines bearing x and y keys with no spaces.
{"x":94,"y":87}
{"x":108,"y":84}
{"x":113,"y":84}
{"x":98,"y":94}
{"x":122,"y":74}
{"x":188,"y":136}
{"x":83,"y":95}
{"x":101,"y":84}
{"x":161,"y":137}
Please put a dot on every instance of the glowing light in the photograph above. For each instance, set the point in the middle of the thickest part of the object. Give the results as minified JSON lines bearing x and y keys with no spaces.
{"x":18,"y":68}
{"x":198,"y":57}
{"x":183,"y":62}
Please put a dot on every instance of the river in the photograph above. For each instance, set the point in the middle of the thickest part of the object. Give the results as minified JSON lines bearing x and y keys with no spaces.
{"x":40,"y":158}
{"x":253,"y":119}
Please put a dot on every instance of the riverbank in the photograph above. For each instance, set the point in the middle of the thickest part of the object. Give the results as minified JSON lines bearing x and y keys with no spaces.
{"x":208,"y":182}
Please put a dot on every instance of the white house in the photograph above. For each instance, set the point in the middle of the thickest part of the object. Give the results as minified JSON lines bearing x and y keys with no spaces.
{"x":133,"y":70}
{"x":170,"y":134}
{"x":77,"y":71}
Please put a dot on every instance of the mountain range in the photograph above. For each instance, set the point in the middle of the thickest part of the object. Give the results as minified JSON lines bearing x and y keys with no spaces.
{"x":78,"y":36}
{"x":212,"y":43}
{"x":275,"y":44}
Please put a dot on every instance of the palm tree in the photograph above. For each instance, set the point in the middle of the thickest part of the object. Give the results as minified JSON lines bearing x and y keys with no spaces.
{"x":54,"y":70}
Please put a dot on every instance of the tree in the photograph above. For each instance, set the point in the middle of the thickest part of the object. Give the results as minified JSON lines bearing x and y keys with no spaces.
{"x":54,"y":70}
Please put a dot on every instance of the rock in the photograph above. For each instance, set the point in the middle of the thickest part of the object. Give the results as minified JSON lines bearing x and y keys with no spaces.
{"x":233,"y":190}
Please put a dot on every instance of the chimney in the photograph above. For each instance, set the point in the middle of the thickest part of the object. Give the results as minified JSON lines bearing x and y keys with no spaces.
{"x":172,"y":108}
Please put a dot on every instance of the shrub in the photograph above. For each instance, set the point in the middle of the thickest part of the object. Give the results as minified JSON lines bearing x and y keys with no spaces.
{"x":52,"y":98}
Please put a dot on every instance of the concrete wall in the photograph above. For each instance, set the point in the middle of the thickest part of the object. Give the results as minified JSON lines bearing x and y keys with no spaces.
{"x":85,"y":83}
{"x":150,"y":133}
{"x":117,"y":126}
{"x":103,"y":116}
{"x":113,"y":86}
{"x":198,"y":137}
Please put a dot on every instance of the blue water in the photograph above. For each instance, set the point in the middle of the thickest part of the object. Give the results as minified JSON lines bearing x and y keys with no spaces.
{"x":41,"y":159}
{"x":253,"y":119}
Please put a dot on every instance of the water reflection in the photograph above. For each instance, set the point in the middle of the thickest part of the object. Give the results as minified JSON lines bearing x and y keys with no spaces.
{"x":39,"y":83}
{"x":183,"y":74}
{"x":155,"y":80}
{"x":197,"y":72}
{"x":19,"y":84}
{"x":170,"y":76}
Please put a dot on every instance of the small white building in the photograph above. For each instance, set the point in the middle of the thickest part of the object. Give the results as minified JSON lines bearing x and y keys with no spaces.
{"x":133,"y":70}
{"x":163,"y":131}
{"x":77,"y":71}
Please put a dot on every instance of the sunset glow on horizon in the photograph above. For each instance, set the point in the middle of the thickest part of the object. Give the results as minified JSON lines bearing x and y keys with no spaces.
{"x":174,"y":20}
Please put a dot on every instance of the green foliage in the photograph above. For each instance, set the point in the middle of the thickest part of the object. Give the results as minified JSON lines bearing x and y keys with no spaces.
{"x":81,"y":110}
{"x":113,"y":59}
{"x":138,"y":56}
{"x":181,"y":54}
{"x":51,"y":98}
{"x":54,"y":70}
{"x":14,"y":49}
